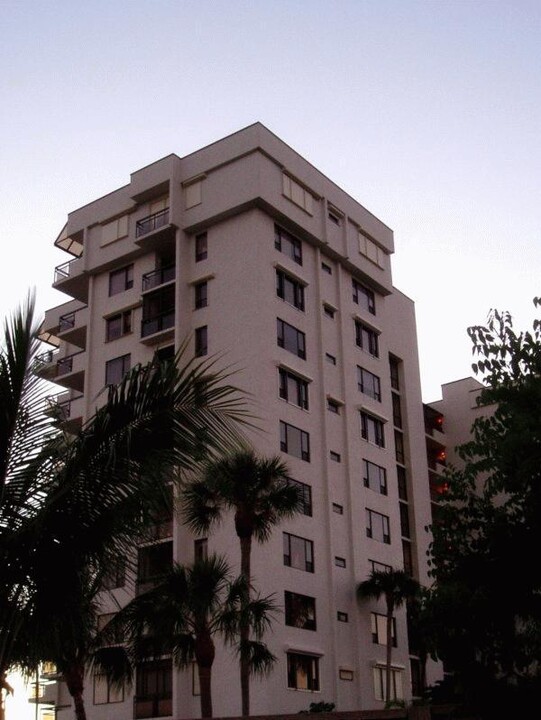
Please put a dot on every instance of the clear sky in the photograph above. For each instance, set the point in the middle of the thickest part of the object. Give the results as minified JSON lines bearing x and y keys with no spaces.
{"x":427,"y":112}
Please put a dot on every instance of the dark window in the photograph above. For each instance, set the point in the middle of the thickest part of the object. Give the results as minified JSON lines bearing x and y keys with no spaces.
{"x":399,"y":447}
{"x":154,"y":689}
{"x":340,"y":561}
{"x":338,"y":509}
{"x":291,"y":339}
{"x":154,"y":562}
{"x":294,"y":441}
{"x":329,"y":311}
{"x":397,"y":410}
{"x":287,"y":244}
{"x":200,"y":549}
{"x":402,"y":484}
{"x":201,"y":298}
{"x":120,"y":280}
{"x":334,"y":217}
{"x":305,"y":493}
{"x":372,"y":429}
{"x":300,"y":610}
{"x":165,"y":354}
{"x":293,"y":388}
{"x":158,"y":311}
{"x":375,"y":477}
{"x":393,"y":366}
{"x":364,"y":297}
{"x":201,"y":247}
{"x":366,"y":338}
{"x":106,"y":691}
{"x":330,"y":358}
{"x":201,"y":341}
{"x":290,"y":290}
{"x":378,"y":625}
{"x":298,"y":552}
{"x":376,"y":566}
{"x":368,"y":383}
{"x":342,"y":616}
{"x":333,"y":406}
{"x":408,"y":556}
{"x":118,"y":325}
{"x":404,"y":520}
{"x":377,"y":527}
{"x":302,"y":671}
{"x":335,"y":456}
{"x":326,"y":268}
{"x":116,"y":368}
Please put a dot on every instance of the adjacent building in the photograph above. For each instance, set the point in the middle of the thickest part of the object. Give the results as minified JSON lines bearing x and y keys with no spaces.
{"x":252,"y":253}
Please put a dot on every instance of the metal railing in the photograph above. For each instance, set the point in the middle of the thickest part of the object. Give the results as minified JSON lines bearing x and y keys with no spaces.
{"x":64,"y":271}
{"x":65,"y":365}
{"x":152,"y":222}
{"x":155,"y":278}
{"x":44,"y":359}
{"x":66,"y":322}
{"x":157,"y":323}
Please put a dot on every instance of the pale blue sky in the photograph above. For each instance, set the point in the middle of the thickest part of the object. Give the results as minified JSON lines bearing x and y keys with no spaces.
{"x":428,"y":113}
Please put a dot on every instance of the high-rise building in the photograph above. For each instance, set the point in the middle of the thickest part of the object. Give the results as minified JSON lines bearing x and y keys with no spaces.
{"x":251,"y":252}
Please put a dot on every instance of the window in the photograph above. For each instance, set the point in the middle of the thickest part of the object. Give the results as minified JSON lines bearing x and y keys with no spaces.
{"x":346,"y":674}
{"x":298,"y":552}
{"x":402,"y":483}
{"x":334,"y":217}
{"x":300,"y":610}
{"x":305,"y":492}
{"x":193,"y":194}
{"x":114,"y":230}
{"x":154,"y":689}
{"x":291,"y":339}
{"x":116,"y":369}
{"x":376,"y":566}
{"x":153,"y":562}
{"x":106,"y":692}
{"x":338,"y":509}
{"x":366,"y":338}
{"x":200,"y":549}
{"x":118,"y":325}
{"x":368,"y":383}
{"x":326,"y":268}
{"x":158,"y":311}
{"x":333,"y":406}
{"x":404,"y":520}
{"x":378,"y":625}
{"x":329,"y":311}
{"x":375,"y":477}
{"x":407,"y":556}
{"x":335,"y":456}
{"x":377,"y":527}
{"x":397,"y":410}
{"x":380,"y":684}
{"x":302,"y":671}
{"x":393,"y":367}
{"x":342,"y":617}
{"x":201,"y":297}
{"x":201,"y":341}
{"x":369,"y":249}
{"x":297,"y":194}
{"x":201,"y":247}
{"x":120,"y":280}
{"x":364,"y":297}
{"x":294,"y":441}
{"x":293,"y":389}
{"x":339,"y":561}
{"x":290,"y":290}
{"x":399,"y":447}
{"x":330,"y":358}
{"x":287,"y":244}
{"x":115,"y":576}
{"x":372,"y":429}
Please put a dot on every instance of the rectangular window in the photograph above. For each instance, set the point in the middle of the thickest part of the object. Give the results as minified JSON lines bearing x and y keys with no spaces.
{"x":397,"y":410}
{"x":302,"y":672}
{"x":369,"y":249}
{"x":342,"y":617}
{"x":407,"y":556}
{"x":404,"y":520}
{"x":377,"y":527}
{"x":201,"y":341}
{"x":293,"y":389}
{"x":363,"y":296}
{"x":380,"y":684}
{"x":291,"y":339}
{"x":153,"y":563}
{"x":287,"y":244}
{"x":154,"y":689}
{"x":366,"y":339}
{"x":335,"y":457}
{"x":393,"y":367}
{"x":372,"y":429}
{"x":116,"y":368}
{"x":305,"y":492}
{"x":326,"y":268}
{"x":368,"y":383}
{"x":201,"y":247}
{"x":339,"y":561}
{"x":294,"y":441}
{"x":118,"y":325}
{"x":105,"y":691}
{"x":334,"y":217}
{"x":201,"y":297}
{"x":290,"y":290}
{"x":338,"y":509}
{"x":376,"y":566}
{"x":329,"y":311}
{"x":375,"y":477}
{"x":300,"y":610}
{"x":115,"y":577}
{"x":333,"y":406}
{"x":200,"y":549}
{"x":402,"y":483}
{"x":330,"y":359}
{"x":298,"y":552}
{"x":378,"y":624}
{"x":120,"y":280}
{"x":399,"y":447}
{"x":158,"y":311}
{"x":295,"y":192}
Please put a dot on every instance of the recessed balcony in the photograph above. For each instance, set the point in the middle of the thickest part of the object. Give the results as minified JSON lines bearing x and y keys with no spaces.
{"x":158,"y":327}
{"x":71,"y":279}
{"x":157,"y":278}
{"x":150,"y":231}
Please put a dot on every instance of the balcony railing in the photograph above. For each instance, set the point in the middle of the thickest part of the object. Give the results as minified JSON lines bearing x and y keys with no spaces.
{"x":66,"y":322}
{"x":151,"y":223}
{"x":64,"y":271}
{"x":65,"y":365}
{"x":155,"y":278}
{"x":44,"y":359}
{"x":155,"y":324}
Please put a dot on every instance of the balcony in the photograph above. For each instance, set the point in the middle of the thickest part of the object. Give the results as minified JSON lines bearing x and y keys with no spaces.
{"x":150,"y":231}
{"x":72,"y":327}
{"x":45,"y":365}
{"x":70,"y":371}
{"x":157,"y":328}
{"x":157,"y":278}
{"x":71,"y":279}
{"x":67,"y":408}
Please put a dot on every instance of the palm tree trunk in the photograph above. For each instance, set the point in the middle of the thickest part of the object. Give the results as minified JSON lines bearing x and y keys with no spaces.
{"x":74,"y":678}
{"x":205,"y":687}
{"x":389,"y":657}
{"x":204,"y":656}
{"x":245,"y":569}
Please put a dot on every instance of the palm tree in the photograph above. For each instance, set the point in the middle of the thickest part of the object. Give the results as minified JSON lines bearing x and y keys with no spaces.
{"x":70,"y":505}
{"x":185,"y":612}
{"x":396,"y":586}
{"x":258,"y":492}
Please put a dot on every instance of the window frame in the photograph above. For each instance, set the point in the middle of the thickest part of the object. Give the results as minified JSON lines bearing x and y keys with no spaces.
{"x":302,"y":617}
{"x":375,"y":477}
{"x":201,"y":295}
{"x":373,"y":519}
{"x":288,"y":244}
{"x":368,"y":383}
{"x":126,"y":325}
{"x":378,"y":629}
{"x":363,"y":296}
{"x":367,"y":338}
{"x":300,"y":389}
{"x":201,"y":247}
{"x":124,"y":273}
{"x":201,"y":341}
{"x":372,"y":429}
{"x":310,"y":670}
{"x":289,"y":289}
{"x":286,"y":442}
{"x":123,"y":361}
{"x":305,"y":492}
{"x":289,"y":556}
{"x":285,"y":333}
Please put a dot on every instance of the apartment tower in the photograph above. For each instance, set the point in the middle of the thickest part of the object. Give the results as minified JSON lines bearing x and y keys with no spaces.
{"x":253,"y":254}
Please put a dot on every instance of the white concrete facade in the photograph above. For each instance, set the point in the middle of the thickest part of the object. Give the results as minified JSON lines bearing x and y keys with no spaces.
{"x":239,"y":198}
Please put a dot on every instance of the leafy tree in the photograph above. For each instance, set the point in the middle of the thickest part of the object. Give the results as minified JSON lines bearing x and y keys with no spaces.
{"x":487,"y":594}
{"x":395,"y":586}
{"x":257,"y":491}
{"x":185,"y":612}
